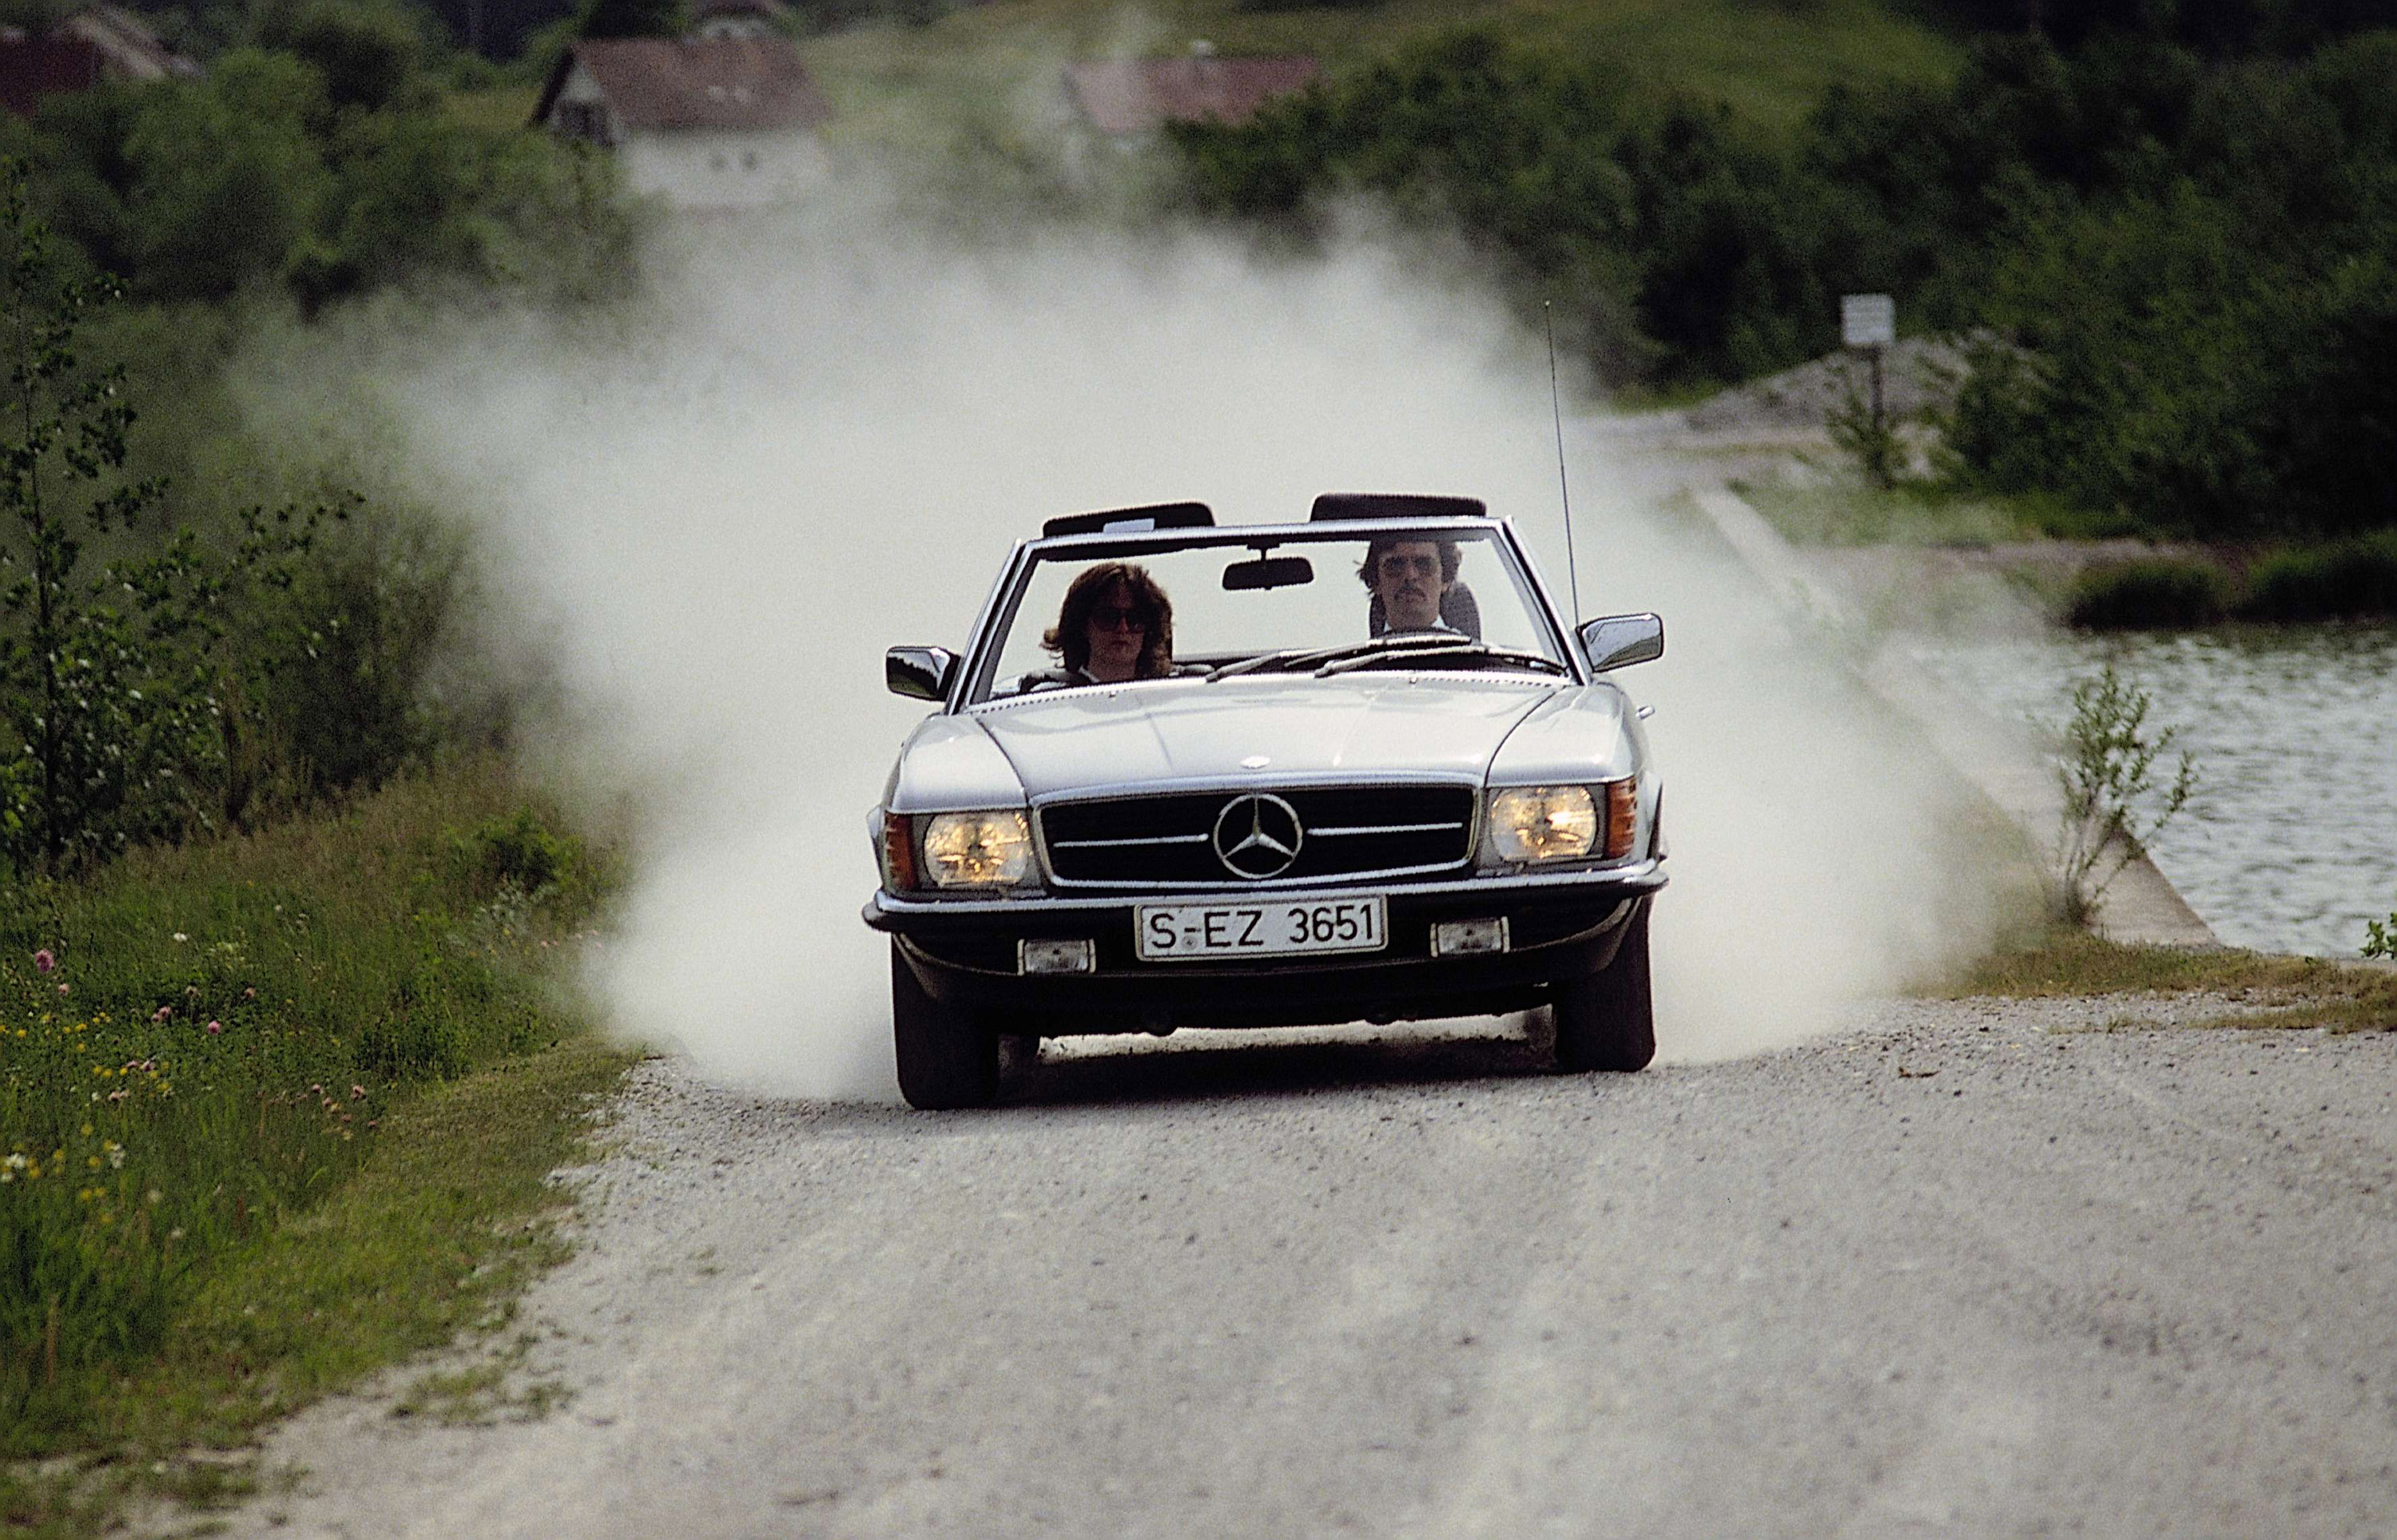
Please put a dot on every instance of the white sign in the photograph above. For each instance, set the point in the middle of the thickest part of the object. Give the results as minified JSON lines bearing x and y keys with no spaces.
{"x":1868,"y":320}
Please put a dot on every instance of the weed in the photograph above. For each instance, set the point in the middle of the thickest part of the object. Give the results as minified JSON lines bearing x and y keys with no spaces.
{"x":1862,"y":429}
{"x":2105,"y":765}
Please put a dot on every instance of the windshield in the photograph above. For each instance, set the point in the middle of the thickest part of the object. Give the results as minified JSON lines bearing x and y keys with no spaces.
{"x":1444,"y":599}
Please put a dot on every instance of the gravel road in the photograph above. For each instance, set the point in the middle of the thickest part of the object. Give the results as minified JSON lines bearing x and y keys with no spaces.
{"x":1965,"y":1268}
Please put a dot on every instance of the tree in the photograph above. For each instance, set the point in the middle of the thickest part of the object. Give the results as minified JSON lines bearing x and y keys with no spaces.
{"x":82,"y":729}
{"x":633,"y":19}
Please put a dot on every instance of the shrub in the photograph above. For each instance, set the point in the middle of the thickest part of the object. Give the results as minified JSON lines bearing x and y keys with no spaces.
{"x":518,"y":851}
{"x":2158,"y":592}
{"x":2344,"y":580}
{"x":2113,"y":807}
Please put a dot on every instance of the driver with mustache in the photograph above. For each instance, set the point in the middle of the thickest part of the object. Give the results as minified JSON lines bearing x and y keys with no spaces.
{"x":1409,"y":575}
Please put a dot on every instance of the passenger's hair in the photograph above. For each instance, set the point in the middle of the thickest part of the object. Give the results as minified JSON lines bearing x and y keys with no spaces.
{"x":1451,"y":558}
{"x":1070,"y":637}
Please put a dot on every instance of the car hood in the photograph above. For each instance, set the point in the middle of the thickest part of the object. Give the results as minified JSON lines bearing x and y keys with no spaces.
{"x":1190,"y":731}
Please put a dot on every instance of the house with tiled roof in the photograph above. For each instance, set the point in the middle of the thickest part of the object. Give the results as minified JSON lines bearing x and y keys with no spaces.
{"x":740,"y":19}
{"x":704,"y":123}
{"x":1128,"y":97}
{"x":78,"y":51}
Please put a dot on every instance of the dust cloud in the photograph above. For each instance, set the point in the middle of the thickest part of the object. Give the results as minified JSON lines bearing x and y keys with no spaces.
{"x":821,"y":440}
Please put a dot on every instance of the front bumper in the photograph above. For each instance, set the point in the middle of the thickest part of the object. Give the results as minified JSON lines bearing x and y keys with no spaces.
{"x":1561,"y":925}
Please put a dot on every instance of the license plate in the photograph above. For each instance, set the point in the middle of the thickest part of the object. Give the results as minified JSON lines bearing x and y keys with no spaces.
{"x":1276,"y":928}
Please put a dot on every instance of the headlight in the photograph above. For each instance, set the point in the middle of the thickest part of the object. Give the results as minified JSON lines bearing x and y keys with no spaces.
{"x":977,"y":849}
{"x":1543,"y":823}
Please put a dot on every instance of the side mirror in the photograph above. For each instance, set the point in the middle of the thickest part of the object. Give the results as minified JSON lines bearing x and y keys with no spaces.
{"x":922,"y":673}
{"x":1619,"y":641}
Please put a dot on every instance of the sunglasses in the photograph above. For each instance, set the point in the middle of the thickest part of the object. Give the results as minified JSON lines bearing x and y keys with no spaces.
{"x":1395,"y":565}
{"x":1119,"y":618}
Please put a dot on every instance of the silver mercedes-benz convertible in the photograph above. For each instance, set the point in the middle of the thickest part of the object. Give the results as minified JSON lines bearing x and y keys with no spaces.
{"x":1191,"y":775}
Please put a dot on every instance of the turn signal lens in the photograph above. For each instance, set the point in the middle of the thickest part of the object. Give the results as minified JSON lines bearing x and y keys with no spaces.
{"x":1622,"y":817}
{"x":977,"y":849}
{"x":1543,"y":823}
{"x":898,"y":852}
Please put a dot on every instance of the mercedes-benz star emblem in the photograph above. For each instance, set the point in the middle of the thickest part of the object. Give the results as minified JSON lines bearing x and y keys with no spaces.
{"x":1257,"y":836}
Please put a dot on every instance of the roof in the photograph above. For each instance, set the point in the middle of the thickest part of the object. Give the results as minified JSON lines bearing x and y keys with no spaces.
{"x":754,"y":82}
{"x":702,"y":10}
{"x":128,"y":49}
{"x":97,"y":42}
{"x":1133,"y":96}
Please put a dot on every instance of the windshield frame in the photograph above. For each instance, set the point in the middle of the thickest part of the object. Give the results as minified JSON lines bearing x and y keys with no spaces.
{"x":1000,"y":613}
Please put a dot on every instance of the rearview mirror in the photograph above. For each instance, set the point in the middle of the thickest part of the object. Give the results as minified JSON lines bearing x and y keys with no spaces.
{"x":1269,"y":572}
{"x":920,"y":673}
{"x":1619,"y":641}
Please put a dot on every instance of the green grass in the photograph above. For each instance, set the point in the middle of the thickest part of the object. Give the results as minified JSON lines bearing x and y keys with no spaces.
{"x":2284,"y":992}
{"x":909,"y":86}
{"x":261,"y":1104}
{"x":1845,"y":512}
{"x":502,"y":109}
{"x":445,"y":1218}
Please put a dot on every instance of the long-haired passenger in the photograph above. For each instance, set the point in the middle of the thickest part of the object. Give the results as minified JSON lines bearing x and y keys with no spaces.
{"x":1116,"y":625}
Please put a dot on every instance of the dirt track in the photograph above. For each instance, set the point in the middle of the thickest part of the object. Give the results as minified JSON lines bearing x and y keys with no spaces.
{"x":1967,"y":1269}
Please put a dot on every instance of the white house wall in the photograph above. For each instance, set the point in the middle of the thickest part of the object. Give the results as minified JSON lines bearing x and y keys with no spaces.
{"x":722,"y":169}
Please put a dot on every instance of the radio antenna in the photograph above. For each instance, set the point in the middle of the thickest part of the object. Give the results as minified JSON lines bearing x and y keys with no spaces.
{"x":1564,"y":488}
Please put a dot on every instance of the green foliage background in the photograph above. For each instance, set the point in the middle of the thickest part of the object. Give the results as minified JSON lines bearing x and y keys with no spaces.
{"x":2183,"y":221}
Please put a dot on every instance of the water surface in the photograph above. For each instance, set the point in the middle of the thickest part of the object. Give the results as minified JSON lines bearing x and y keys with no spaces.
{"x":2290,"y":844}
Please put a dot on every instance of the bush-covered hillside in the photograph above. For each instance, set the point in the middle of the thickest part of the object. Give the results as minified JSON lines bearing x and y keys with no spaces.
{"x":2186,"y":242}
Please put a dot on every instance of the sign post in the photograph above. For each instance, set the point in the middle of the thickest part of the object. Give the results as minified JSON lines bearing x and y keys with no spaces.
{"x":1869,"y":322}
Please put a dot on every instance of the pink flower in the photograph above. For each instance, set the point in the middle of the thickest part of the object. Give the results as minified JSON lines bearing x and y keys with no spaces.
{"x":357,"y":1092}
{"x":316,"y":1090}
{"x":43,"y":961}
{"x":63,"y":989}
{"x":249,"y":994}
{"x":162,"y":1013}
{"x":215,"y":1027}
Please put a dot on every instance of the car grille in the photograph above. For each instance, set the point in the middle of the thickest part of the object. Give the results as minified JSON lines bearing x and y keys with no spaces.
{"x":1349,"y":831}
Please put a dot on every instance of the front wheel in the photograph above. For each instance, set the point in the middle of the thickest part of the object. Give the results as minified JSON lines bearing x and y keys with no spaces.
{"x":946,"y":1058}
{"x":1608,"y":1021}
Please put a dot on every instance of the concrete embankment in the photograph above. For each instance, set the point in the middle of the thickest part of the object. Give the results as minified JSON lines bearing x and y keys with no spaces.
{"x":2140,"y":905}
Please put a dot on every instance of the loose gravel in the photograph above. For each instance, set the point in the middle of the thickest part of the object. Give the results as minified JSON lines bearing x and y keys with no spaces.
{"x":1973,"y":1267}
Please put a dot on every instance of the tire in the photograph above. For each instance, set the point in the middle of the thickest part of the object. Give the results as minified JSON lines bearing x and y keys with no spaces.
{"x":1608,"y":1020}
{"x":947,"y":1059}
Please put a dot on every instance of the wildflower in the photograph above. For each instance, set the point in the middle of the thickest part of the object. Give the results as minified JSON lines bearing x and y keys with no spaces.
{"x":43,"y":961}
{"x":180,"y":936}
{"x":357,"y":1093}
{"x":162,"y":1013}
{"x":316,"y":1090}
{"x":249,"y":994}
{"x":215,"y":1028}
{"x":115,"y":1155}
{"x":63,"y":989}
